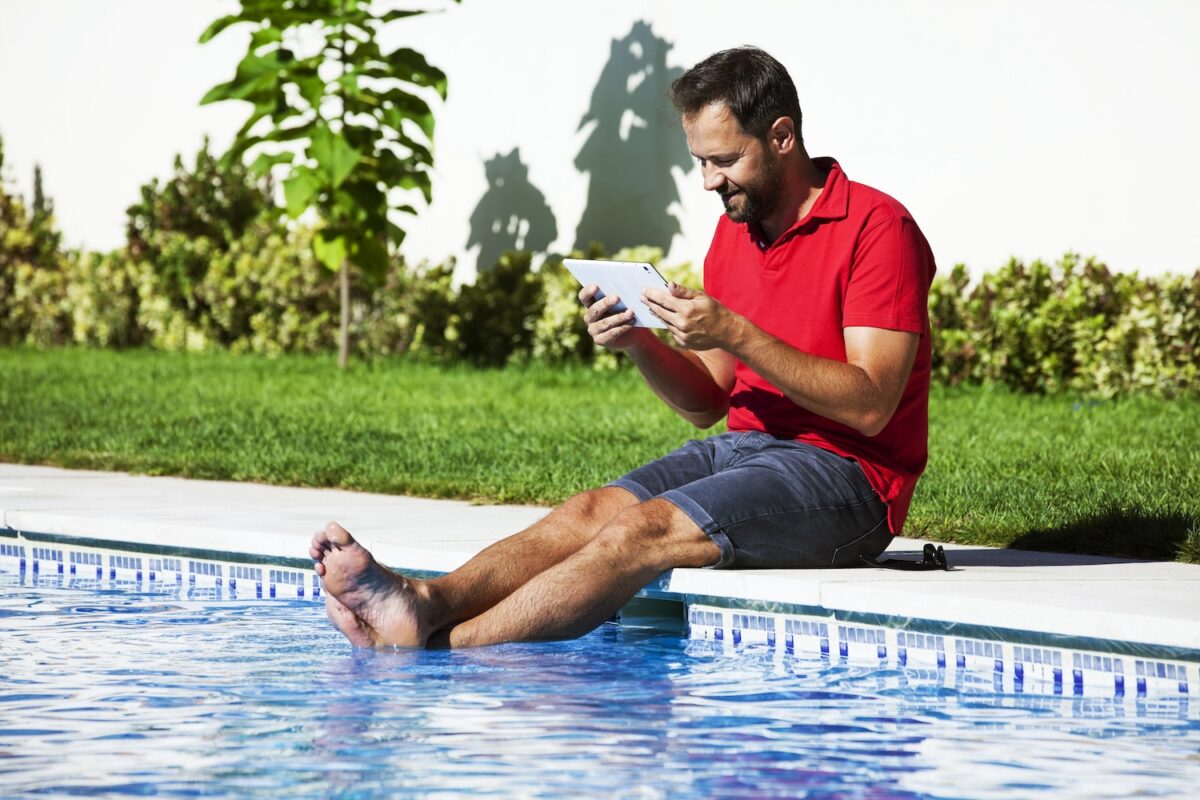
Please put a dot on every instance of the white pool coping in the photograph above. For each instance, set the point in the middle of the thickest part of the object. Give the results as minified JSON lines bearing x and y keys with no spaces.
{"x":1088,"y":597}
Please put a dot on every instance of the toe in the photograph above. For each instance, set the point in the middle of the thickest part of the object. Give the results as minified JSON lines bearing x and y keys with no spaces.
{"x":348,"y":623}
{"x":337,"y":535}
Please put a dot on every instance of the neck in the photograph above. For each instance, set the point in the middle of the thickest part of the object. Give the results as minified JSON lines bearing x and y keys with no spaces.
{"x":802,"y":185}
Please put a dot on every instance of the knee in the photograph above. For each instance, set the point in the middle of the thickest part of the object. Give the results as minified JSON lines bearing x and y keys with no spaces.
{"x":656,"y":534}
{"x":641,"y":523}
{"x":597,"y":507}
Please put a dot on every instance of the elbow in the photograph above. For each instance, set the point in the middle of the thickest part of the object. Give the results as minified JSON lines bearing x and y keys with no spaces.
{"x":704,"y":422}
{"x":870,"y":431}
{"x":872,"y":422}
{"x":706,"y":418}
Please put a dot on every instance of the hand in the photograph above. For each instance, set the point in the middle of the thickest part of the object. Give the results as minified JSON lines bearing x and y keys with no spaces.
{"x":614,"y":331}
{"x":694,"y":319}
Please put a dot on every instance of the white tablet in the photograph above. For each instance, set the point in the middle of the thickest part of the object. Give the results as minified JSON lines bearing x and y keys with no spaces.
{"x":625,"y":279}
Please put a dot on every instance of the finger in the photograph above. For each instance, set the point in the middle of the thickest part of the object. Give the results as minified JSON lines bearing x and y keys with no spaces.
{"x":682,"y":292}
{"x":654,"y":298}
{"x":587,"y":294}
{"x":606,"y":324}
{"x":601,"y":308}
{"x":663,"y":310}
{"x":612,"y":328}
{"x":655,"y":295}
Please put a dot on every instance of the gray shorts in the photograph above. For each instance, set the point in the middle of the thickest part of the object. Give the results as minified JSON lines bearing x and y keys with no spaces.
{"x":769,"y":502}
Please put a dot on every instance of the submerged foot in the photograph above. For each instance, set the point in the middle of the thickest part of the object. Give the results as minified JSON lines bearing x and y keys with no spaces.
{"x":345,"y":620}
{"x":366,"y":601}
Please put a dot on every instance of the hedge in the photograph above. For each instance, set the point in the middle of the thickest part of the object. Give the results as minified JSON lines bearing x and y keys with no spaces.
{"x":210,"y":265}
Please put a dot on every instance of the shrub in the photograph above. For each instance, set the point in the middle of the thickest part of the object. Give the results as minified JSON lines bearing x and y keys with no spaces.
{"x":1074,"y":325}
{"x":37,"y":311}
{"x":179,"y":226}
{"x":426,"y":297}
{"x":498,"y":313}
{"x":33,"y":300}
{"x":102,"y":298}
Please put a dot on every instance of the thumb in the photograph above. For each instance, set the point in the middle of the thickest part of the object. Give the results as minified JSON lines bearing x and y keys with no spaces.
{"x":682,"y":292}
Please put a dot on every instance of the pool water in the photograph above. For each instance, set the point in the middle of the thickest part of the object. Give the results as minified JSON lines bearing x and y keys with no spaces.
{"x":119,"y":692}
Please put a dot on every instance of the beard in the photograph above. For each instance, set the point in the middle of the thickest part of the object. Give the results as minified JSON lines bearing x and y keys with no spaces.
{"x":758,"y":198}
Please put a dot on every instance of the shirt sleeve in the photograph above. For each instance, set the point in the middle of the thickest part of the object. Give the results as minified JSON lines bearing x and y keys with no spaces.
{"x":889,"y":278}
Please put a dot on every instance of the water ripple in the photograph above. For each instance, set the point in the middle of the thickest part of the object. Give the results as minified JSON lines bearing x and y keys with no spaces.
{"x":124,"y":694}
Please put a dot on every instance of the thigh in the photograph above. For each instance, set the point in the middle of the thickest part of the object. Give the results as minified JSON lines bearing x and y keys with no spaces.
{"x":693,"y":461}
{"x":787,"y":504}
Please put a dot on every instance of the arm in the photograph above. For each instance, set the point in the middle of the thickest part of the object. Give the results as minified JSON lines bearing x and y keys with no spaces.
{"x":862,"y":392}
{"x":694,"y":383}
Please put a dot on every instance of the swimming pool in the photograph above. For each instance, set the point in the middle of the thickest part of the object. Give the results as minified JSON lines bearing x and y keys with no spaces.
{"x":112,"y":684}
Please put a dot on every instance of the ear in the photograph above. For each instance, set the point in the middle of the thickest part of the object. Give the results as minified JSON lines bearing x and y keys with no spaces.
{"x":782,"y":135}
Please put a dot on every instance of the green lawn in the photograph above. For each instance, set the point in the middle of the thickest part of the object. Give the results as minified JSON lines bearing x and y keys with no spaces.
{"x":1119,"y":478}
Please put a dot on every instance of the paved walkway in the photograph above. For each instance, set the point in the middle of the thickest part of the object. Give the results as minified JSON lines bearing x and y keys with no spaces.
{"x":1155,"y":603}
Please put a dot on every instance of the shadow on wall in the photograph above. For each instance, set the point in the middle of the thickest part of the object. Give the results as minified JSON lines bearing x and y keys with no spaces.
{"x":634,"y":142}
{"x":512,"y":214}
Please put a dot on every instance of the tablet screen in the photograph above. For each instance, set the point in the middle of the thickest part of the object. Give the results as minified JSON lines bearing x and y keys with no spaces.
{"x":625,"y":279}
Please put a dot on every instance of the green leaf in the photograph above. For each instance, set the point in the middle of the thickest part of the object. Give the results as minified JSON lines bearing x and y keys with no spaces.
{"x":291,"y":134}
{"x":299,"y":190}
{"x":334,"y":155}
{"x":417,"y":180}
{"x":265,"y":36}
{"x":395,"y":233}
{"x":365,"y":195}
{"x":255,"y":75}
{"x":220,"y":25}
{"x":330,"y":249}
{"x":399,"y":14}
{"x":265,"y":161}
{"x":411,"y":66}
{"x":412,"y":107}
{"x":370,"y":256}
{"x":217,"y":93}
{"x":312,"y":89}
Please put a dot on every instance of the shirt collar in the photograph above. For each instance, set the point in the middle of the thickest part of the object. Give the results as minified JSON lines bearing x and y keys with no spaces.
{"x":834,"y":202}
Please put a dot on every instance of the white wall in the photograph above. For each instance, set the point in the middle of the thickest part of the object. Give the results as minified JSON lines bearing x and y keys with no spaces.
{"x":1008,"y":128}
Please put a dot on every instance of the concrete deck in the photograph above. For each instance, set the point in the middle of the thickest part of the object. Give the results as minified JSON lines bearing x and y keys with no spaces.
{"x":1150,"y":603}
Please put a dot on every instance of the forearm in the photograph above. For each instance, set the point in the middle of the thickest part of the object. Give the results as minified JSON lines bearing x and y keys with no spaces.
{"x":681,"y":380}
{"x":840,"y":391}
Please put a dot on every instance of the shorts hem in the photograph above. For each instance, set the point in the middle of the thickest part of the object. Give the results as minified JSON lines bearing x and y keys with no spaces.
{"x":706,"y":524}
{"x":633,"y":487}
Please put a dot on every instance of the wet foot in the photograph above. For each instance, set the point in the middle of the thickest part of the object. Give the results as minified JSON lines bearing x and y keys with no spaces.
{"x":357,"y":631}
{"x":366,"y":601}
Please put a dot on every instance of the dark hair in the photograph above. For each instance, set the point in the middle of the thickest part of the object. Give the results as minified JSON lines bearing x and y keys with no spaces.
{"x":749,"y":82}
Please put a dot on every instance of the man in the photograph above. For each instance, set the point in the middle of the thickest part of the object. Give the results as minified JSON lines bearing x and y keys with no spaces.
{"x":811,"y":336}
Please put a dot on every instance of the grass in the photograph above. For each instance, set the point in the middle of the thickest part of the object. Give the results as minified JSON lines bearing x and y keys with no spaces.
{"x":1117,"y":478}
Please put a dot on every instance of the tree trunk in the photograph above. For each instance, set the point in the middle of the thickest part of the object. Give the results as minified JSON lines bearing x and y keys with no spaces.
{"x":344,"y":328}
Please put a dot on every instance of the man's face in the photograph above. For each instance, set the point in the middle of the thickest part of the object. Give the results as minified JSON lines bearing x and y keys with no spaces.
{"x":734,"y":164}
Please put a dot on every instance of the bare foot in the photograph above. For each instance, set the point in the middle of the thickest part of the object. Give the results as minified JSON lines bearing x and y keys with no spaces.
{"x":370,"y":604}
{"x":357,"y":631}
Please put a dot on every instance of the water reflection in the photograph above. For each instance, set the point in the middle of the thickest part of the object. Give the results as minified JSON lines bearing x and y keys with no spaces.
{"x":122,"y":691}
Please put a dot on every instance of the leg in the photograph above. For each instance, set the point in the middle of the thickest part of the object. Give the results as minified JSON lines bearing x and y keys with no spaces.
{"x":370,"y":604}
{"x":498,"y":570}
{"x":580,"y":592}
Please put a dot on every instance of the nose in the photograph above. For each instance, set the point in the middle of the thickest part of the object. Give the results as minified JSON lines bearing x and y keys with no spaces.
{"x":713,"y":178}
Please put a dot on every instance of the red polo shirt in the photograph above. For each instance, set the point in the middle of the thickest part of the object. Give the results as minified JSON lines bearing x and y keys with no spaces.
{"x":856,"y":259}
